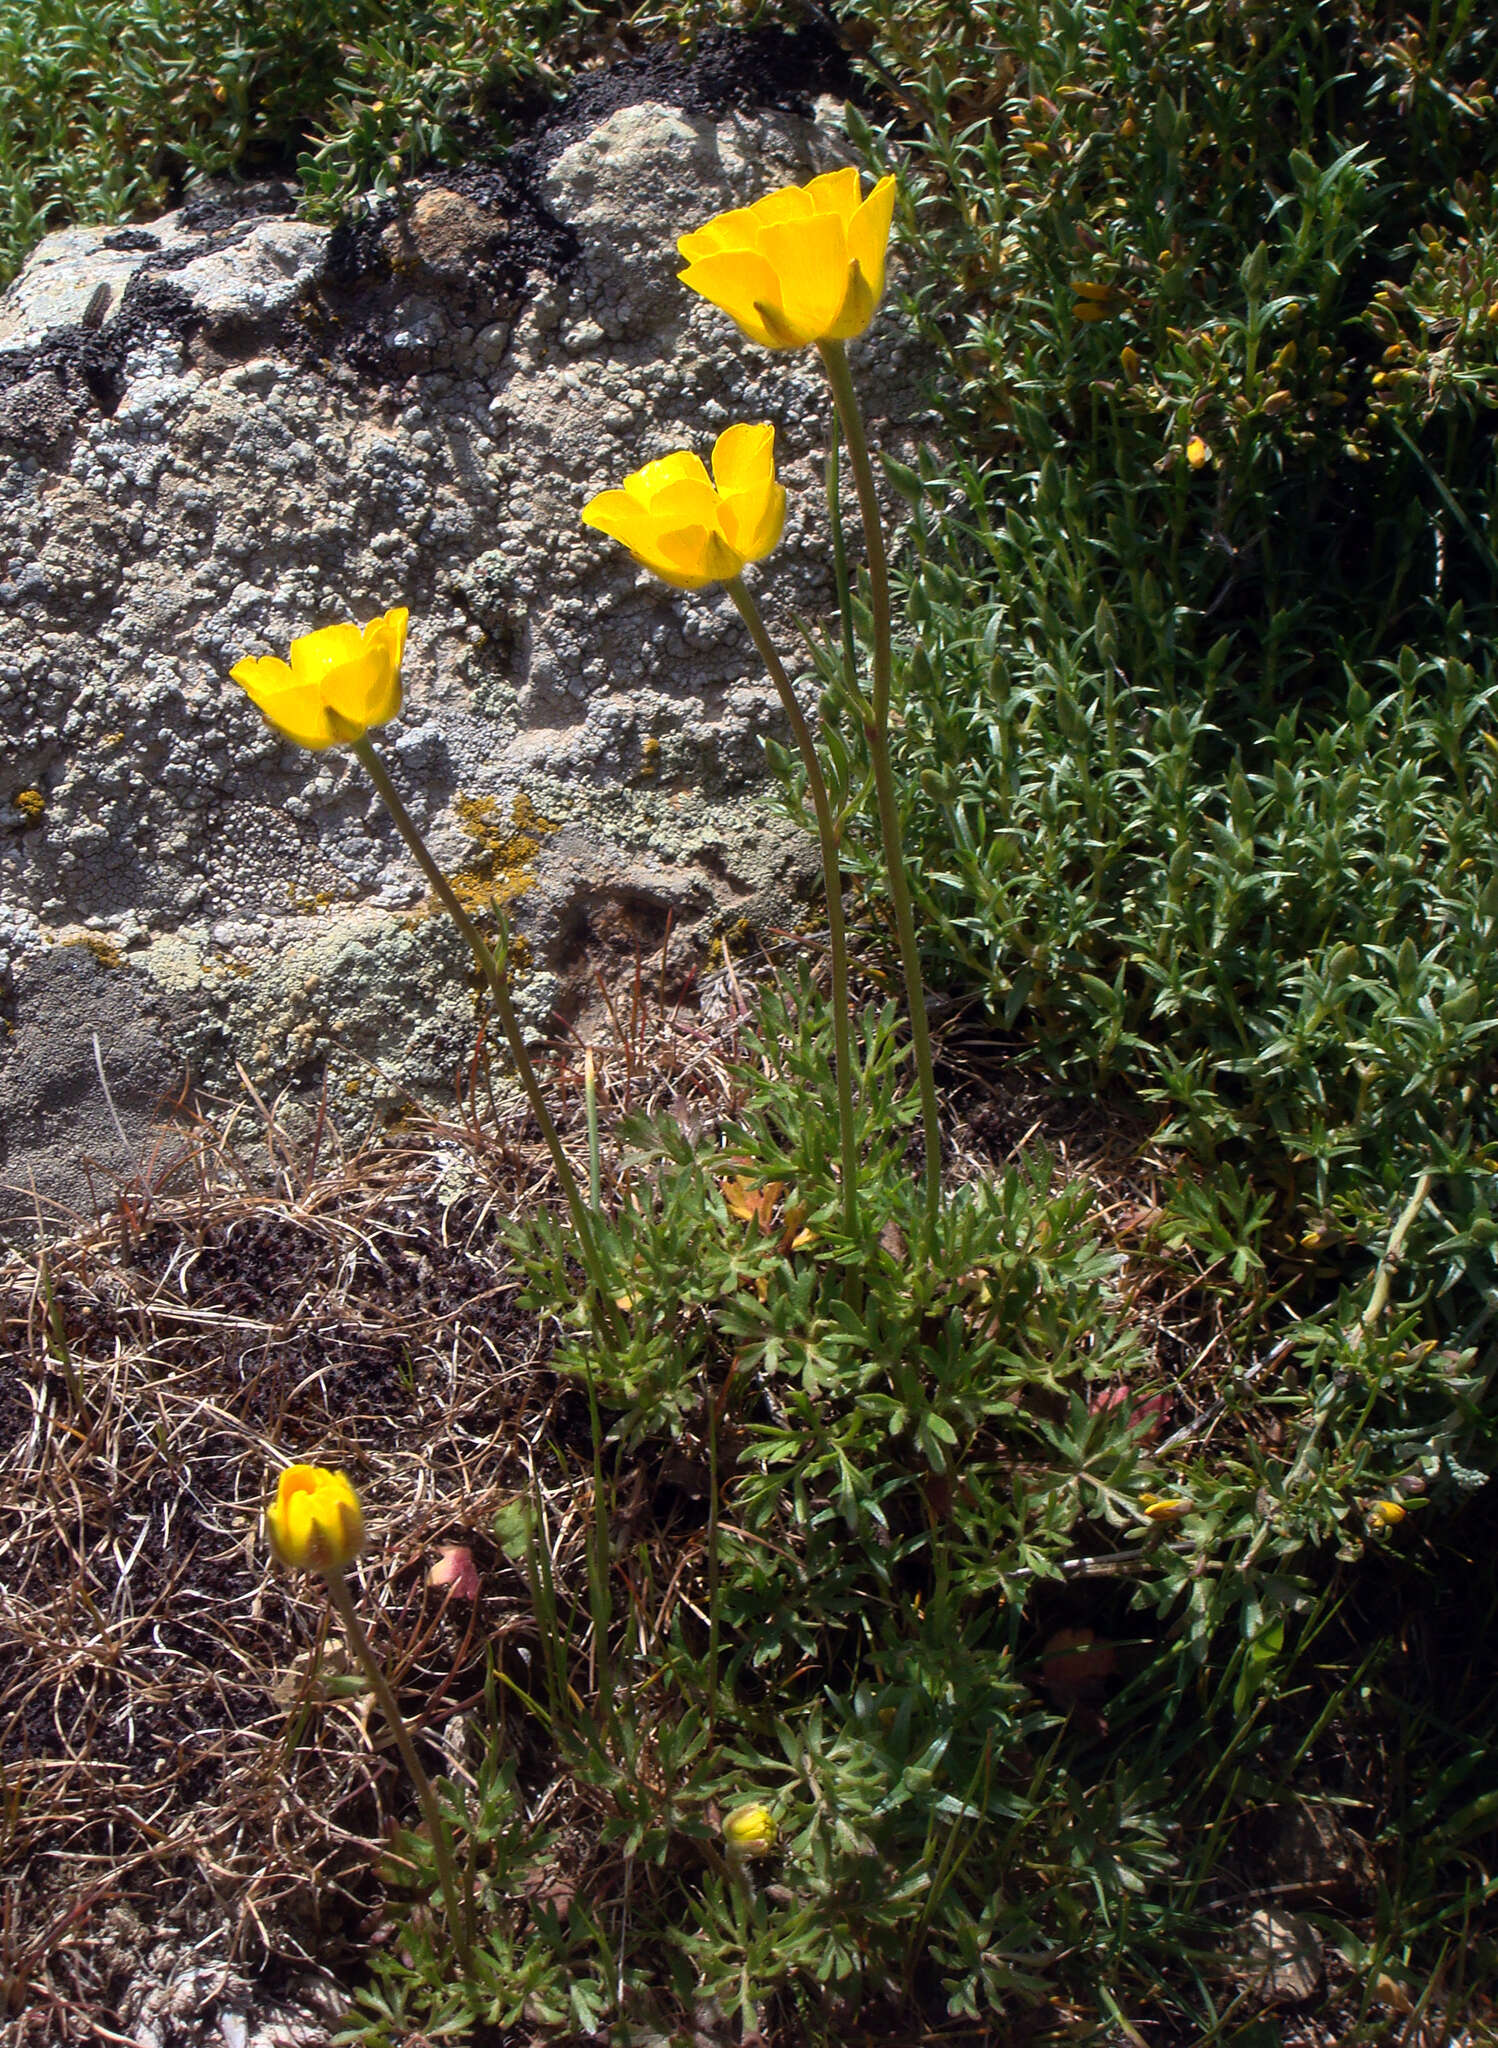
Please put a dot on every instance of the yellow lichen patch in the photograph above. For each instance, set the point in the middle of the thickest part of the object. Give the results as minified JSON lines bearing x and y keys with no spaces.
{"x":308,"y":906}
{"x":30,"y":803}
{"x":104,"y":950}
{"x":501,"y":868}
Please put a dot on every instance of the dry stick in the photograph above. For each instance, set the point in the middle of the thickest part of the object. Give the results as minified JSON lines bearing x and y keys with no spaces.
{"x":442,"y":1848}
{"x":494,"y":975}
{"x":832,"y":884}
{"x":876,"y":733}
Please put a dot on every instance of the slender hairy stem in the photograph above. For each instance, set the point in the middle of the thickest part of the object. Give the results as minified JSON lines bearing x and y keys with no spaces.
{"x":876,"y":732}
{"x":832,"y":883}
{"x":840,"y":556}
{"x":494,"y":974}
{"x":442,"y":1848}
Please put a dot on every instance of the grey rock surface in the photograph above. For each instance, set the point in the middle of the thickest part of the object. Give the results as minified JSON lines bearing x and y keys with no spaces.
{"x":271,"y":427}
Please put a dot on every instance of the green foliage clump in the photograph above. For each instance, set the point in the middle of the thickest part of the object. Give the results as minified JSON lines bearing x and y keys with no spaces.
{"x":1199,"y":738}
{"x":880,"y":1482}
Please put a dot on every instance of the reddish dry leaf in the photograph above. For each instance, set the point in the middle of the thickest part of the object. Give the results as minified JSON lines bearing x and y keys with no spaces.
{"x":456,"y":1570}
{"x":1145,"y":1412}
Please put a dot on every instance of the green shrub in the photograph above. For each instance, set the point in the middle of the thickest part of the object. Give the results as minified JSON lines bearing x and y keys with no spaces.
{"x":1199,"y":743}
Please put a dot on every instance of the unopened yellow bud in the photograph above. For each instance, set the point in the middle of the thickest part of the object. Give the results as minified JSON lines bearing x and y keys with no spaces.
{"x":750,"y":1831}
{"x":1386,"y":1514}
{"x":315,"y":1522}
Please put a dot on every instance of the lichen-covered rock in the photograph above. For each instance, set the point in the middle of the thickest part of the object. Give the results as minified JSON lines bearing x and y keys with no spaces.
{"x":274,"y":428}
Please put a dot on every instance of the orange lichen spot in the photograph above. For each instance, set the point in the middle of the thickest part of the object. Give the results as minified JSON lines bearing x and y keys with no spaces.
{"x":502,"y":868}
{"x":31,"y":804}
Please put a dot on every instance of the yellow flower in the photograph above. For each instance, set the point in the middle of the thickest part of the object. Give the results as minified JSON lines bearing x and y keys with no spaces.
{"x":1197,"y":451}
{"x":750,"y":1831}
{"x":338,"y":684}
{"x":691,"y":529}
{"x":1163,"y":1509}
{"x":1094,"y":301}
{"x":315,"y":1522}
{"x":802,"y":264}
{"x":1386,"y":1514}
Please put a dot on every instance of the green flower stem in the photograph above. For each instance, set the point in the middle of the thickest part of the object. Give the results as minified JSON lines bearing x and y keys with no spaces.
{"x":494,"y":974}
{"x":442,"y":1848}
{"x":840,"y":556}
{"x":832,"y":884}
{"x":876,"y":732}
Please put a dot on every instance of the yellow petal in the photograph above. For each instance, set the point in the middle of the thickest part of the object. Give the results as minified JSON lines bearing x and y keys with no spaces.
{"x":682,"y":466}
{"x":787,"y":202}
{"x":700,"y":554}
{"x":688,"y":503}
{"x":293,"y":708}
{"x":743,"y":284}
{"x":836,"y":192}
{"x":315,"y":653}
{"x":810,"y":261}
{"x":262,"y":675}
{"x":625,"y":519}
{"x":752,"y":521}
{"x":302,"y":714}
{"x":392,"y":631}
{"x":619,"y":514}
{"x":868,"y":235}
{"x":732,"y":230}
{"x":352,"y":696}
{"x":744,"y":456}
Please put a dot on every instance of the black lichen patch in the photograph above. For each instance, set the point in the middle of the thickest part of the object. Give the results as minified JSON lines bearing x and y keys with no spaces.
{"x":73,"y":371}
{"x":351,"y":320}
{"x":726,"y":72}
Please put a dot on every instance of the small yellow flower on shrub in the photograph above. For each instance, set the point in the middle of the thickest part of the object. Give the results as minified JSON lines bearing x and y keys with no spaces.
{"x":802,"y":264}
{"x":315,"y":1522}
{"x":750,"y":1831}
{"x":1386,"y":1514}
{"x":692,"y":529}
{"x":1163,"y":1508}
{"x":339,"y":683}
{"x":1092,"y":300}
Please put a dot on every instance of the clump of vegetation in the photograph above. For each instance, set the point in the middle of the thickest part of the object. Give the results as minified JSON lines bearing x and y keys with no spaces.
{"x":1199,"y":736}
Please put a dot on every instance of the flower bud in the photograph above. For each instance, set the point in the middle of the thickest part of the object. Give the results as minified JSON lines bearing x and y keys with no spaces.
{"x":803,"y":264}
{"x":315,"y":1522}
{"x":338,"y":683}
{"x":750,"y":1831}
